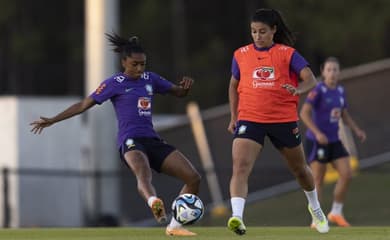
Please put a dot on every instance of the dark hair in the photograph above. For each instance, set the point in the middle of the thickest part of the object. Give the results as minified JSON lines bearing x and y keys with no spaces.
{"x":125,"y":46}
{"x":273,"y":18}
{"x":329,"y":59}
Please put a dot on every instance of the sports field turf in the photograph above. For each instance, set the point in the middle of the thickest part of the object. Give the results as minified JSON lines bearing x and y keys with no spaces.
{"x":266,"y":233}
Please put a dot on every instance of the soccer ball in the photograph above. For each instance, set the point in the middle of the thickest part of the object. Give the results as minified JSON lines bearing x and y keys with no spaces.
{"x":187,"y":208}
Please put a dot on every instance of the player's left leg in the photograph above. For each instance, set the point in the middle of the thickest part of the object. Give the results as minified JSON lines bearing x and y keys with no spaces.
{"x":295,"y":159}
{"x":343,"y":167}
{"x":177,"y":165}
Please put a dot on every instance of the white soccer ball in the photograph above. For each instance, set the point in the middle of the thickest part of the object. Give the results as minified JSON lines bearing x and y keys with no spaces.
{"x":187,"y":209}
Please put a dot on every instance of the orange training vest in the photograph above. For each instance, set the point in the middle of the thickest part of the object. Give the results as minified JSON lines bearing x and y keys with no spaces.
{"x":262,"y":73}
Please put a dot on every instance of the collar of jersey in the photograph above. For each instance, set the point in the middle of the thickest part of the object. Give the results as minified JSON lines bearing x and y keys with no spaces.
{"x":263,"y":48}
{"x":130,"y":78}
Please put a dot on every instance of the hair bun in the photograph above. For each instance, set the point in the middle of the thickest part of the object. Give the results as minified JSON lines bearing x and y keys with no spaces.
{"x":134,"y":40}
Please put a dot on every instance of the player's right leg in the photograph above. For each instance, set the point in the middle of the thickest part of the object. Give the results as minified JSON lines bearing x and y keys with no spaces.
{"x":336,"y":215}
{"x":245,"y":152}
{"x":139,"y":164}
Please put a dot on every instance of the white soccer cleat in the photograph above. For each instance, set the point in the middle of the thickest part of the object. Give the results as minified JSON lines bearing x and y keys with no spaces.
{"x":319,"y":220}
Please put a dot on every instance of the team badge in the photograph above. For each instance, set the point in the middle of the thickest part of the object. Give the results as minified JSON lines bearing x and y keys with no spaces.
{"x":241,"y":129}
{"x":149,"y":89}
{"x":295,"y":131}
{"x":130,"y":143}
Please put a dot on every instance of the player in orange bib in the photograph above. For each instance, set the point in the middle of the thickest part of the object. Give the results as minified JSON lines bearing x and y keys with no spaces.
{"x":263,"y":96}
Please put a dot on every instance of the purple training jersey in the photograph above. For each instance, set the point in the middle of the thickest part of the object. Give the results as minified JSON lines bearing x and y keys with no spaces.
{"x":328,"y":105}
{"x":297,"y":63}
{"x":132,"y":100}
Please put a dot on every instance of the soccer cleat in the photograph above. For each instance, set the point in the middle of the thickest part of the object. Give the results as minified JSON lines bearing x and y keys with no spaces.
{"x":319,"y":220}
{"x":338,"y":219}
{"x":158,"y":211}
{"x":178,"y":232}
{"x":236,"y":225}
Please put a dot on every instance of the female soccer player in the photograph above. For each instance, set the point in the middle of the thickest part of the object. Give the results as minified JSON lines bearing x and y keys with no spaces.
{"x":325,"y":105}
{"x":131,"y":93}
{"x":263,"y":96}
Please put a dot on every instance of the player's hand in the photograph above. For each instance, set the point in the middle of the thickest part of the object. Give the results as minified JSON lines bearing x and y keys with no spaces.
{"x":361,"y":135}
{"x":232,"y":126}
{"x":40,"y":124}
{"x":321,"y":138}
{"x":291,"y":89}
{"x":186,"y":83}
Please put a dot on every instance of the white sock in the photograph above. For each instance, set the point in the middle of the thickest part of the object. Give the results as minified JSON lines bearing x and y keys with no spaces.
{"x":312,"y":198}
{"x":150,"y":200}
{"x":337,"y":208}
{"x":174,"y":223}
{"x":238,"y":205}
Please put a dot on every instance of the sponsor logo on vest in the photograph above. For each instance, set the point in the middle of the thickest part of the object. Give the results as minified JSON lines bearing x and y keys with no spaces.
{"x":263,"y":77}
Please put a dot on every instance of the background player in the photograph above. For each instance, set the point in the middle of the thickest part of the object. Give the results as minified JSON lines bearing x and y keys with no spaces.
{"x":325,"y":105}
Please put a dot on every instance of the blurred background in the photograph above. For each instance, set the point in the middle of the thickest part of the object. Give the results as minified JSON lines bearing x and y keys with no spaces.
{"x":53,"y":53}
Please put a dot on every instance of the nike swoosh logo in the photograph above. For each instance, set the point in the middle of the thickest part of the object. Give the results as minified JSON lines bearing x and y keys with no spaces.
{"x":128,"y":89}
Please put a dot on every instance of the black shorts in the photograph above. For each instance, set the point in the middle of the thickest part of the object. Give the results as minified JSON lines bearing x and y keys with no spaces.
{"x":281,"y":134}
{"x":324,"y":153}
{"x":155,"y":149}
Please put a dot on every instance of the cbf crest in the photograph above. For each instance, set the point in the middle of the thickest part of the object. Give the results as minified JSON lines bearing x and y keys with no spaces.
{"x":149,"y":89}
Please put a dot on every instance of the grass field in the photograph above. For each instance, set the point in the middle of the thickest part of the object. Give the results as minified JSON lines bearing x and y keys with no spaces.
{"x":367,"y":209}
{"x":367,"y":204}
{"x":212,"y":233}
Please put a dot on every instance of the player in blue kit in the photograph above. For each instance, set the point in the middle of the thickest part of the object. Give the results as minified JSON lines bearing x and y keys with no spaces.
{"x":325,"y":105}
{"x":131,"y":93}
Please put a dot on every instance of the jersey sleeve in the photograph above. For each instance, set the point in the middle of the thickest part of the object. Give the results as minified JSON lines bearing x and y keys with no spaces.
{"x":235,"y":69}
{"x":297,"y":63}
{"x":314,"y":96}
{"x":160,"y":84}
{"x":104,"y":92}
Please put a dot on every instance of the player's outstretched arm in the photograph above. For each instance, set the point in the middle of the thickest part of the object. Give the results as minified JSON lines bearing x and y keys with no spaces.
{"x":183,"y":88}
{"x":75,"y":109}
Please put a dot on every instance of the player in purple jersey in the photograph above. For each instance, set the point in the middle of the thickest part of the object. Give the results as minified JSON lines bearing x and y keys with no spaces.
{"x":324,"y":107}
{"x":131,"y":93}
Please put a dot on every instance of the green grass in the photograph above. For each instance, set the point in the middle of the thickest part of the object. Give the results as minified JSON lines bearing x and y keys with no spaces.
{"x":367,"y":204}
{"x":212,"y":233}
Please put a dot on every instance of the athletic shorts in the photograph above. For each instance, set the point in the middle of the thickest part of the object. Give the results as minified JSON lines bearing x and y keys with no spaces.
{"x":324,"y":153}
{"x":281,"y":134}
{"x":155,"y":149}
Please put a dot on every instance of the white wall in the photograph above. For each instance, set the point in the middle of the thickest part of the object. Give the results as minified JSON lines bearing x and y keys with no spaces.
{"x":37,"y":199}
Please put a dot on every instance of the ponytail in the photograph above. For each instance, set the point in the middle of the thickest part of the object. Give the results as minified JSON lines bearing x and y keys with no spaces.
{"x":125,"y":46}
{"x":273,"y":18}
